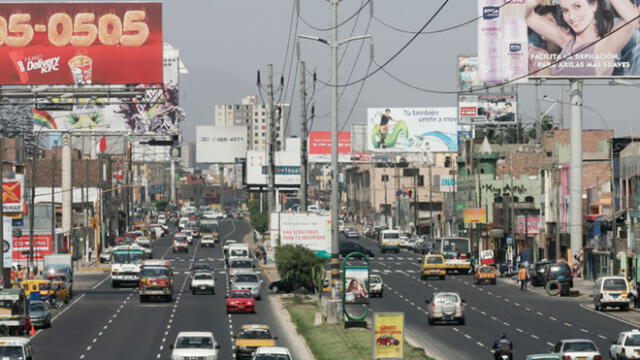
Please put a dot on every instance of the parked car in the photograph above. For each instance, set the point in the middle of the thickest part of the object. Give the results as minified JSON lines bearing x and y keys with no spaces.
{"x":577,"y":349}
{"x":611,"y":291}
{"x":347,"y":247}
{"x":536,"y":272}
{"x":447,"y":307}
{"x":626,"y":345}
{"x":560,"y":272}
{"x":247,"y":281}
{"x":195,"y":345}
{"x":376,"y":286}
{"x":39,"y":314}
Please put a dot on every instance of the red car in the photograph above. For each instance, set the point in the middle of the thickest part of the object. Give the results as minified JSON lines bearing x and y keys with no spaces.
{"x":241,"y":301}
{"x":385,"y":340}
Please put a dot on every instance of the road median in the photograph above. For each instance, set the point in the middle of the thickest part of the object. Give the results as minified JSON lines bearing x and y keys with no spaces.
{"x":328,"y":340}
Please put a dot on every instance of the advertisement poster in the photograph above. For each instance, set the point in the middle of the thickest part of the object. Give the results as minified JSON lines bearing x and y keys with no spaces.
{"x":388,"y":336}
{"x":356,"y":285}
{"x":487,"y":109}
{"x":319,"y":146}
{"x":42,"y":246}
{"x":412,"y":129}
{"x":502,"y":40}
{"x":528,"y":224}
{"x":472,"y":216}
{"x":12,"y":196}
{"x":468,"y":76}
{"x":287,"y":168}
{"x":309,"y":230}
{"x":81,"y":43}
{"x":220,"y":144}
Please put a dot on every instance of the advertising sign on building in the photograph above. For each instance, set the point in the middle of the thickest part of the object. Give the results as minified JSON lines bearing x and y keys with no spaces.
{"x":12,"y":196}
{"x":320,"y":146}
{"x":513,"y":43}
{"x":42,"y":245}
{"x":81,"y":43}
{"x":412,"y":129}
{"x":528,"y":224}
{"x":220,"y":144}
{"x":388,"y":335}
{"x":487,"y":109}
{"x":287,"y":168}
{"x":475,"y":216}
{"x":309,"y":230}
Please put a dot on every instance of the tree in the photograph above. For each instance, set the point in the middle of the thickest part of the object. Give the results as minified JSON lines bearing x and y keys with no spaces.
{"x":298,"y":266}
{"x":259,"y":220}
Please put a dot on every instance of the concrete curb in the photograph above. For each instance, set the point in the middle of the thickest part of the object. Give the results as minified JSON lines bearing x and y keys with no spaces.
{"x":285,"y":321}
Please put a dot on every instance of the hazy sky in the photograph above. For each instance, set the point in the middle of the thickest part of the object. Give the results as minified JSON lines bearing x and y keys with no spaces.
{"x":224,"y":42}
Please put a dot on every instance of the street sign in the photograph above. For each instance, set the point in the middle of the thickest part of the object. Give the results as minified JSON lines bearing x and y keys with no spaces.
{"x":54,"y":107}
{"x":509,"y":240}
{"x":18,"y":222}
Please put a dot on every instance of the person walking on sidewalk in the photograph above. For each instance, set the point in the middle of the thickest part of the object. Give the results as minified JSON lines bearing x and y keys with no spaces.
{"x":523,"y":276}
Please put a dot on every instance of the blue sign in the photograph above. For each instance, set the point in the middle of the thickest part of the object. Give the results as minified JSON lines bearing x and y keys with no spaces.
{"x":509,"y":240}
{"x":283,"y":170}
{"x":17,"y":222}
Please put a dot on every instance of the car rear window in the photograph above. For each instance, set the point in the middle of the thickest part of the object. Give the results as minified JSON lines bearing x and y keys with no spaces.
{"x":391,"y":236}
{"x":194,"y":342}
{"x":447,"y":298}
{"x":240,"y":264}
{"x":203,"y":277}
{"x":255,"y":334}
{"x":486,"y":270}
{"x":434,"y":260}
{"x":583,"y":346}
{"x":246,"y":278}
{"x":614,"y":284}
{"x":375,"y":279}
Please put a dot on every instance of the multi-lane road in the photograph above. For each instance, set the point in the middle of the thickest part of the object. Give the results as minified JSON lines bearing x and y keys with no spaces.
{"x":106,"y":323}
{"x":534,"y":323}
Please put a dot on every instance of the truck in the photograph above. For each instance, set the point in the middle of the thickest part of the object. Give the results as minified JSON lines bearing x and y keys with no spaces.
{"x":59,"y":265}
{"x":210,"y":227}
{"x":156,"y":279}
{"x":14,"y":312}
{"x":125,"y":264}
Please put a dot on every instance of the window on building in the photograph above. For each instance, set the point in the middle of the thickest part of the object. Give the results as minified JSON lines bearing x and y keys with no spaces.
{"x":384,"y":178}
{"x":229,"y":106}
{"x":447,"y":161}
{"x":420,"y":180}
{"x":528,"y":199}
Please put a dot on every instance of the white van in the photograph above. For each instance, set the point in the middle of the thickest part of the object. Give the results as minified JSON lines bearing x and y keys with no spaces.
{"x":162,"y":219}
{"x":183,"y":223}
{"x":611,"y":291}
{"x":16,"y":348}
{"x":238,"y":250}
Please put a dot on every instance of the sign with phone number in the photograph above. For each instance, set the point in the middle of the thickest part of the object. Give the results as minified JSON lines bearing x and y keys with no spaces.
{"x":81,"y":43}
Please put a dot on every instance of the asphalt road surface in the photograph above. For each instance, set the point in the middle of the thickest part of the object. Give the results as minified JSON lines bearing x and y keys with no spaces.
{"x":107,"y":323}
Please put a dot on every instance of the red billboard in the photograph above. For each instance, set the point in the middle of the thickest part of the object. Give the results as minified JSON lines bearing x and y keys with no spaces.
{"x":42,"y":246}
{"x":320,"y":142}
{"x":81,"y":43}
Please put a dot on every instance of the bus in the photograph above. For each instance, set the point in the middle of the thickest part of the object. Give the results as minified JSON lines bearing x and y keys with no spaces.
{"x":125,"y":264}
{"x":210,"y":227}
{"x":456,"y":252}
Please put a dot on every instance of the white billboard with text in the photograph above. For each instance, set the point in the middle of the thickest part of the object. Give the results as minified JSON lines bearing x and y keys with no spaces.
{"x":309,"y":230}
{"x":220,"y":144}
{"x":287,"y":168}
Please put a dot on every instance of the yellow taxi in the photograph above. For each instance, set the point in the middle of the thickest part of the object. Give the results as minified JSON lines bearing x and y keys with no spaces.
{"x":485,"y":273}
{"x":251,"y":337}
{"x":432,"y":265}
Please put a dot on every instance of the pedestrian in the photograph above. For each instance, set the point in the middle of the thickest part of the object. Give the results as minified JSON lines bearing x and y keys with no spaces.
{"x":523,"y":276}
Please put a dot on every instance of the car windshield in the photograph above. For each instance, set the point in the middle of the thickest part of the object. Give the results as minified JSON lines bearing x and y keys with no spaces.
{"x":202,"y":277}
{"x":486,"y":270}
{"x":614,"y":284}
{"x":392,"y":235}
{"x":255,"y":334}
{"x":434,"y":260}
{"x":455,"y":245}
{"x":583,"y":346}
{"x":180,"y":239}
{"x":144,"y":244}
{"x":11,"y":352}
{"x":127,"y":257}
{"x":272,"y":357}
{"x":249,"y":278}
{"x":632,"y":340}
{"x":241,"y":294}
{"x":238,"y":252}
{"x":375,"y":279}
{"x":241,"y":264}
{"x":208,"y":228}
{"x":447,"y":298}
{"x":37,"y":307}
{"x":155,"y":271}
{"x":194,"y":342}
{"x":560,"y":269}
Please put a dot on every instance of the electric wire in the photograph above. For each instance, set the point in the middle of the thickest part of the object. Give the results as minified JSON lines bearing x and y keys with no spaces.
{"x":289,"y":40}
{"x":335,"y":26}
{"x":355,"y":102}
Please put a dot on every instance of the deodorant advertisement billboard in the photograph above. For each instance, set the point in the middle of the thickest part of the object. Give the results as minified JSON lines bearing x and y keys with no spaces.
{"x":557,"y":39}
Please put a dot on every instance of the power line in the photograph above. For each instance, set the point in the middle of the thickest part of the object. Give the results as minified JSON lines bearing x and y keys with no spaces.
{"x":355,"y":102}
{"x":332,"y":27}
{"x":289,"y":41}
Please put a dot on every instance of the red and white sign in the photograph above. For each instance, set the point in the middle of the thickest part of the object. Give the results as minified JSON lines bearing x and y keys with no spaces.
{"x":12,"y":196}
{"x":42,"y":245}
{"x":81,"y":43}
{"x":320,"y":146}
{"x":487,"y":257}
{"x":361,"y":157}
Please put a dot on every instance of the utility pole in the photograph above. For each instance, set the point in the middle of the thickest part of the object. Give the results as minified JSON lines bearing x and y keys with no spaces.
{"x":53,"y":201}
{"x":303,"y":139}
{"x":575,"y":172}
{"x":67,"y":194}
{"x":270,"y":142}
{"x":6,"y":280}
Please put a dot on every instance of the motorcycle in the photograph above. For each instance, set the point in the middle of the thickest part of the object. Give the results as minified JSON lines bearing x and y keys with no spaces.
{"x":503,"y":353}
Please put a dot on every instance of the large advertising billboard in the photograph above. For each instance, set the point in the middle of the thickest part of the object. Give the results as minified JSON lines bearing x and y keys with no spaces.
{"x":487,"y":109}
{"x":595,"y":39}
{"x":81,"y":43}
{"x":412,"y":129}
{"x":320,"y":146}
{"x":12,"y":195}
{"x":220,"y":144}
{"x":467,"y":72}
{"x":287,"y":168}
{"x":42,"y":245}
{"x":309,"y":230}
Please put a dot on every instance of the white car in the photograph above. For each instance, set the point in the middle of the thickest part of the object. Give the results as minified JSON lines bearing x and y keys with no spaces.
{"x":105,"y":255}
{"x":203,"y":281}
{"x":376,"y":286}
{"x":207,"y":240}
{"x":577,"y":349}
{"x":195,"y":345}
{"x":162,"y":219}
{"x":626,"y":346}
{"x":446,"y":306}
{"x":145,"y":244}
{"x":189,"y":235}
{"x":272,"y":353}
{"x":225,"y":248}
